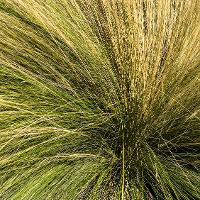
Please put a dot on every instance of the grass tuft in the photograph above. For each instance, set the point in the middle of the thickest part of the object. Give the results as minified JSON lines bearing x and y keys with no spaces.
{"x":99,"y":99}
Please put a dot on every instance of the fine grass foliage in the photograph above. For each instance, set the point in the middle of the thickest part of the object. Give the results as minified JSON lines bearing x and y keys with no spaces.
{"x":99,"y":99}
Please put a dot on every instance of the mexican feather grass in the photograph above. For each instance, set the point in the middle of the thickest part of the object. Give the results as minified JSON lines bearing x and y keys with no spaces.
{"x":99,"y":99}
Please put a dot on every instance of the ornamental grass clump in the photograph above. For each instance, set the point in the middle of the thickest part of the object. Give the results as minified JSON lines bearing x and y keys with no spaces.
{"x":99,"y":99}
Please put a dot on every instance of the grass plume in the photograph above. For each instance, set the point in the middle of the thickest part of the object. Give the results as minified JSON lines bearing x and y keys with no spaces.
{"x":99,"y":99}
